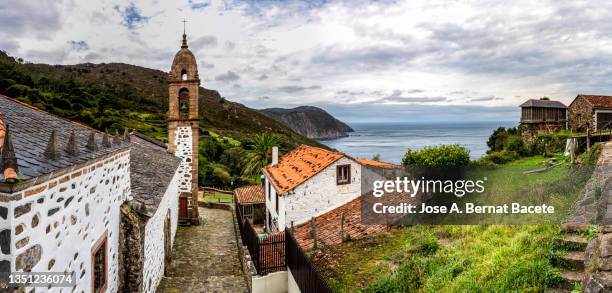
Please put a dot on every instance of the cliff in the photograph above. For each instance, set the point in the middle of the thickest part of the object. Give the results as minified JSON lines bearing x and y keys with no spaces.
{"x":309,"y":121}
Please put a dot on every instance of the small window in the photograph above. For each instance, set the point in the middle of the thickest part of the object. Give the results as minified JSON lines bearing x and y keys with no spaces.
{"x":99,"y":265}
{"x":184,"y":74}
{"x":276,"y":203}
{"x":343,"y":174}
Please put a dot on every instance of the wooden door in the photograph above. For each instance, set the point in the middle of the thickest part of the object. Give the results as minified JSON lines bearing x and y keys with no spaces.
{"x":183,"y":207}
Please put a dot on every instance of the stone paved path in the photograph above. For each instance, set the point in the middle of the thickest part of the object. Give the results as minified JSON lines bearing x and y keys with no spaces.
{"x":205,"y":257}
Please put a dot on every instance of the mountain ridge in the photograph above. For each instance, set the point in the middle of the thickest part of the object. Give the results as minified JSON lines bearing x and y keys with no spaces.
{"x":310,"y":121}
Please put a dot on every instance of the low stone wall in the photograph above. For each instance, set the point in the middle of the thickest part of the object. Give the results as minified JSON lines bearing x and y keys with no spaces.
{"x":214,"y":205}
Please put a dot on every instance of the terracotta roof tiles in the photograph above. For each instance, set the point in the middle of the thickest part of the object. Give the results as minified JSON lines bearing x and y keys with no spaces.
{"x":598,"y":101}
{"x":250,"y":194}
{"x":328,"y":226}
{"x":299,"y":165}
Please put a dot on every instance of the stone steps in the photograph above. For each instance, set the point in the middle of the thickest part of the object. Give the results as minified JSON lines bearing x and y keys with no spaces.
{"x":571,"y":242}
{"x":569,"y":279}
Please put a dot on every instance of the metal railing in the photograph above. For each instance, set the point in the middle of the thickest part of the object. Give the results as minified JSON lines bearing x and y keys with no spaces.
{"x":303,"y":271}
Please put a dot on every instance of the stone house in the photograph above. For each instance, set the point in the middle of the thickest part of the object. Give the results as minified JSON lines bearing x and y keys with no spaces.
{"x":310,"y":181}
{"x":73,"y":199}
{"x":542,"y":115}
{"x":590,"y":111}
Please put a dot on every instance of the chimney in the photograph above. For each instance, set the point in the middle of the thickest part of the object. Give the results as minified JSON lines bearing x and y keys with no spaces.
{"x":274,"y":156}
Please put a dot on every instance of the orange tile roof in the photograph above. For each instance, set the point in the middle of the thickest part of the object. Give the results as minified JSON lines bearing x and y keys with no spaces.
{"x":598,"y":101}
{"x":328,"y":226}
{"x":299,"y":165}
{"x":378,"y":164}
{"x":250,"y":194}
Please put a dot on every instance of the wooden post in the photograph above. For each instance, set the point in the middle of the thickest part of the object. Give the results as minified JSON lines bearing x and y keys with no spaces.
{"x":342,"y":227}
{"x":588,"y":139}
{"x":292,"y":230}
{"x":313,"y":230}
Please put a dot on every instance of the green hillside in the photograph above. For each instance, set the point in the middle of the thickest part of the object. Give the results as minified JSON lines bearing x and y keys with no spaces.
{"x":115,"y":96}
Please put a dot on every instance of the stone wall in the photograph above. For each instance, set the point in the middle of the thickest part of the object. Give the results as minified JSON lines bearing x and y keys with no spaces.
{"x":580,"y":114}
{"x":131,"y":250}
{"x":54,"y":225}
{"x":154,"y":237}
{"x":184,"y":151}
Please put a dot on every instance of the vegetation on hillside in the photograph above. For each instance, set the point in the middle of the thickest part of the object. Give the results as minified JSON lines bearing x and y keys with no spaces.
{"x":115,"y":96}
{"x":507,"y":144}
{"x":464,"y":258}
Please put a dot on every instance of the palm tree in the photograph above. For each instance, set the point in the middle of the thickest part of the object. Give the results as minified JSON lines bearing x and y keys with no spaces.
{"x":261,"y":154}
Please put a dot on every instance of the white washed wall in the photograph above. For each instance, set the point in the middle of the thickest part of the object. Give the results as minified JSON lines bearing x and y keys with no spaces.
{"x":184,"y":150}
{"x":73,"y":211}
{"x":321,"y":194}
{"x":154,"y":236}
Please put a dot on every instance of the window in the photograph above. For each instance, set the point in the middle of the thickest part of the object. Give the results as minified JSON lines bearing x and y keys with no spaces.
{"x":276,"y":203}
{"x":99,"y":265}
{"x":343,"y":174}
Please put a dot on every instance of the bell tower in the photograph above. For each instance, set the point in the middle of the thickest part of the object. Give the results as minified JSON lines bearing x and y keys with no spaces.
{"x":183,"y":128}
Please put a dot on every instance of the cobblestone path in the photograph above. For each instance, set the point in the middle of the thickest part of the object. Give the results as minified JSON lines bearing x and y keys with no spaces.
{"x":205,"y":257}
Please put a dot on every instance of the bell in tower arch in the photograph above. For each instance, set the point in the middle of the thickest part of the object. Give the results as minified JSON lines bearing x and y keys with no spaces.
{"x":184,"y":103}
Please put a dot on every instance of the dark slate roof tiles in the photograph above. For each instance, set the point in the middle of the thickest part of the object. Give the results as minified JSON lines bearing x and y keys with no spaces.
{"x":152,"y":169}
{"x":31,"y":129}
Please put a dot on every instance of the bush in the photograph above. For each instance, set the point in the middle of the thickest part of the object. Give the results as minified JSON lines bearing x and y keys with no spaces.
{"x":515,"y":143}
{"x":499,"y":137}
{"x":500,"y":157}
{"x":438,"y":156}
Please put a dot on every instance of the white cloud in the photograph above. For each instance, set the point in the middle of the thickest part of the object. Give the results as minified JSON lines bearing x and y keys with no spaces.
{"x":437,"y":53}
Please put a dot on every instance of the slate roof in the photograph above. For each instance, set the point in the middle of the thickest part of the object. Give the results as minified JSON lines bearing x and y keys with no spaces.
{"x":151,"y":171}
{"x":598,"y":101}
{"x":542,"y":104}
{"x":250,"y":194}
{"x":30,"y":130}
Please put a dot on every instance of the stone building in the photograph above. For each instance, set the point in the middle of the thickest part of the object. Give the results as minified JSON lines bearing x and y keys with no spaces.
{"x":590,"y":111}
{"x":73,"y":199}
{"x":309,"y":182}
{"x":542,"y":115}
{"x":183,"y":127}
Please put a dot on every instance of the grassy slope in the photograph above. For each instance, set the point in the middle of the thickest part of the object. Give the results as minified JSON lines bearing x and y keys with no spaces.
{"x":139,"y":100}
{"x":479,"y":258}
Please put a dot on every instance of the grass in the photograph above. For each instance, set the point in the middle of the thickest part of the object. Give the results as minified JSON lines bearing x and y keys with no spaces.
{"x":476,"y":258}
{"x":218,"y":197}
{"x":464,"y":258}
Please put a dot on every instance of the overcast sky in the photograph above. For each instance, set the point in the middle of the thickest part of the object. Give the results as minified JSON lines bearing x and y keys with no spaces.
{"x":360,"y":60}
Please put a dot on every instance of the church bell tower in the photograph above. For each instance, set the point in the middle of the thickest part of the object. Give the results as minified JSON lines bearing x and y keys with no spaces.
{"x":183,"y":128}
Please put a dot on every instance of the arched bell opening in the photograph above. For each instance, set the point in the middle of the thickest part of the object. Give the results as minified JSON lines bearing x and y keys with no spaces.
{"x":184,"y":103}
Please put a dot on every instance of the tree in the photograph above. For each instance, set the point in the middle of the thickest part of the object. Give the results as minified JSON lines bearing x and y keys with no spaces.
{"x":261,"y":154}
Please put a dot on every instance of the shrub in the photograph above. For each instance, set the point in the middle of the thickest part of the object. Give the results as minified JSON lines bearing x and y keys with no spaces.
{"x":515,"y":143}
{"x":438,"y":156}
{"x":500,"y":157}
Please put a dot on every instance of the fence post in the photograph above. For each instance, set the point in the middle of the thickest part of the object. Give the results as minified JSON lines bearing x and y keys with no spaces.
{"x":313,"y":230}
{"x":342,"y":227}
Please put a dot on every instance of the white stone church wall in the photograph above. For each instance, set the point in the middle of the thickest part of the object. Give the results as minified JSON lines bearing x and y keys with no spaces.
{"x":184,"y":150}
{"x":320,"y":194}
{"x":57,"y":223}
{"x":154,"y":236}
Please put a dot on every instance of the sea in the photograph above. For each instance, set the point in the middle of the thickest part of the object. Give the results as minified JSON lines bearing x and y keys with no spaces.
{"x":392,"y":140}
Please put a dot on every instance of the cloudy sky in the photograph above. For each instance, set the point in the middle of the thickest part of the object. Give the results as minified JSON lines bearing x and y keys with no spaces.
{"x":361,"y":60}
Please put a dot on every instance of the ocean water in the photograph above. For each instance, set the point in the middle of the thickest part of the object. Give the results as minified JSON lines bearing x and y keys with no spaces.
{"x":392,"y":140}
